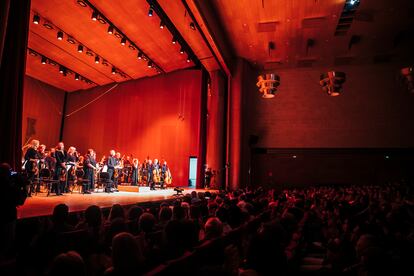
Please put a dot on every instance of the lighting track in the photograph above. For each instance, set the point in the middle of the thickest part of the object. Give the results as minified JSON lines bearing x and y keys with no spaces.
{"x":103,"y":19}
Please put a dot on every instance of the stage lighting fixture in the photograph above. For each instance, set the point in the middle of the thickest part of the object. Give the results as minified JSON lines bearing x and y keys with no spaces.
{"x":61,"y":69}
{"x":332,"y":81}
{"x":130,"y":46}
{"x":89,"y":53}
{"x":174,"y":40}
{"x":268,"y":84}
{"x":70,"y":40}
{"x":353,"y":2}
{"x":113,"y":70}
{"x":60,"y":35}
{"x":94,"y":15}
{"x":162,"y":25}
{"x":150,"y":64}
{"x":76,"y":76}
{"x":97,"y":59}
{"x":408,"y":75}
{"x":44,"y":60}
{"x":48,"y":25}
{"x":150,"y":11}
{"x":81,"y":3}
{"x":182,"y":50}
{"x":192,"y":26}
{"x":123,"y":41}
{"x":80,"y":48}
{"x":188,"y":59}
{"x":36,"y":19}
{"x":110,"y":30}
{"x":139,"y":55}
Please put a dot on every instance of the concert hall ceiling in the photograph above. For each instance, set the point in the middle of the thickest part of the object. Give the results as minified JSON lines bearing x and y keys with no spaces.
{"x":272,"y":34}
{"x":103,"y":58}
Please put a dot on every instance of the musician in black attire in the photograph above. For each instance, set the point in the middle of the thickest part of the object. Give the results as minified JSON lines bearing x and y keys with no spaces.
{"x":31,"y":157}
{"x":71,"y":159}
{"x":112,"y":163}
{"x":164,"y":171}
{"x":135,"y":171}
{"x":150,"y":175}
{"x":60,"y":168}
{"x":50,"y":160}
{"x":89,"y":167}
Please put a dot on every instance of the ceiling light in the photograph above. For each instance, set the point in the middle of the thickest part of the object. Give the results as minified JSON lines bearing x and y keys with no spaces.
{"x":89,"y":53}
{"x":97,"y":59}
{"x":174,"y":40}
{"x":80,"y":48}
{"x":43,"y":60}
{"x":60,"y":35}
{"x":140,"y":55}
{"x":117,"y":35}
{"x":36,"y":19}
{"x":150,"y":64}
{"x":113,"y":70}
{"x":94,"y":15}
{"x":76,"y":76}
{"x":332,"y":81}
{"x":150,"y":11}
{"x":48,"y":25}
{"x":268,"y":84}
{"x":81,"y":3}
{"x":61,"y":69}
{"x":110,"y":30}
{"x":105,"y":62}
{"x":70,"y":40}
{"x":188,"y":59}
{"x":182,"y":50}
{"x":130,"y":46}
{"x":101,"y":20}
{"x":192,"y":26}
{"x":123,"y":41}
{"x":162,"y":25}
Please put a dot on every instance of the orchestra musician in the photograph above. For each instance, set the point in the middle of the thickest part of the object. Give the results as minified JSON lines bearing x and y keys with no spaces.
{"x":31,"y":163}
{"x":118,"y":168}
{"x":71,"y":160}
{"x":112,"y":163}
{"x":135,"y":171}
{"x":165,"y":175}
{"x":150,"y":175}
{"x":50,"y":160}
{"x":156,"y":178}
{"x":60,"y":168}
{"x":41,"y":153}
{"x":89,"y":168}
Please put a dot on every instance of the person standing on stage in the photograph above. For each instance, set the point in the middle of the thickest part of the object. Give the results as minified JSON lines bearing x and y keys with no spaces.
{"x":118,"y":168}
{"x":207,"y":178}
{"x":150,"y":175}
{"x":50,"y":160}
{"x":31,"y":167}
{"x":135,"y":171}
{"x":112,"y":163}
{"x":164,"y":173}
{"x":89,"y":167}
{"x":60,"y":168}
{"x":156,"y":177}
{"x":71,"y":165}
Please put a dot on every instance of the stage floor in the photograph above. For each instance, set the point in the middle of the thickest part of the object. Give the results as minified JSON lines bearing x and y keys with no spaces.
{"x":41,"y":205}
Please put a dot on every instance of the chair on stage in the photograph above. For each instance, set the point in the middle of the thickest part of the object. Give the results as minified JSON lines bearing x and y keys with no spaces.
{"x":81,"y":182}
{"x":46,"y":177}
{"x":104,"y":182}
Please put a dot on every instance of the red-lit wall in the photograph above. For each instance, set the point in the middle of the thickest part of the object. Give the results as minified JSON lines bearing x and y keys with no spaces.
{"x":142,"y":118}
{"x":42,"y":103}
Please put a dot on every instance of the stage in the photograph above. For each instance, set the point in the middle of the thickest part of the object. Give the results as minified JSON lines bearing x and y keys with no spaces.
{"x":41,"y":205}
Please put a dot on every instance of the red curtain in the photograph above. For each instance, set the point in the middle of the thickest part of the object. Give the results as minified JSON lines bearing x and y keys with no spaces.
{"x":13,"y":43}
{"x":157,"y":117}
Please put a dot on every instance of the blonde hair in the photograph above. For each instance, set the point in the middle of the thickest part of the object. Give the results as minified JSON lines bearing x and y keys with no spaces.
{"x":35,"y":143}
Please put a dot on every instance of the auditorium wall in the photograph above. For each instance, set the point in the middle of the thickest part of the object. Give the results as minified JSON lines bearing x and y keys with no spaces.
{"x":156,"y":117}
{"x":375,"y":111}
{"x":42,"y":112}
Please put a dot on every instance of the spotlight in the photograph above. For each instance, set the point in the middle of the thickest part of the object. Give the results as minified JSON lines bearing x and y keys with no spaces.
{"x":140,"y":55}
{"x":268,"y":84}
{"x":353,"y":2}
{"x":36,"y":19}
{"x":60,"y":35}
{"x":130,"y":46}
{"x":43,"y":60}
{"x":110,"y":30}
{"x":70,"y":40}
{"x":48,"y":25}
{"x":188,"y":59}
{"x":123,"y":41}
{"x":65,"y":73}
{"x":174,"y":40}
{"x":162,"y":25}
{"x":332,"y":82}
{"x":192,"y":26}
{"x":80,"y":48}
{"x":61,"y":69}
{"x":97,"y":59}
{"x":182,"y":50}
{"x":150,"y":64}
{"x":81,"y":3}
{"x":89,"y":53}
{"x":94,"y":15}
{"x":76,"y":76}
{"x":113,"y":70}
{"x":150,"y":11}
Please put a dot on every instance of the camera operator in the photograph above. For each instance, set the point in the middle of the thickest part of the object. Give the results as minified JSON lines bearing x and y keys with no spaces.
{"x":13,"y":187}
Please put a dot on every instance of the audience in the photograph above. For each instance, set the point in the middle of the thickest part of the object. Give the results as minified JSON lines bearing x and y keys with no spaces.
{"x":350,"y":230}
